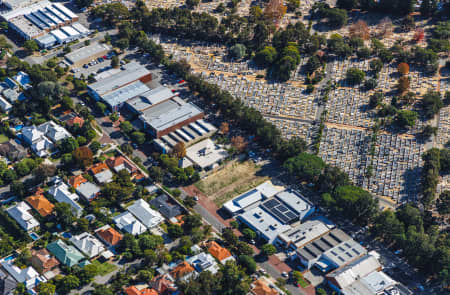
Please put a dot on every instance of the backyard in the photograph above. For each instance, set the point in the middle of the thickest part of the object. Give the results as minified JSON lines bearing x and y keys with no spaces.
{"x":234,"y":179}
{"x":3,"y":138}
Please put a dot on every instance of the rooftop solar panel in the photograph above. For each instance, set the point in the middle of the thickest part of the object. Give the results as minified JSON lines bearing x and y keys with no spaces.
{"x":281,"y":212}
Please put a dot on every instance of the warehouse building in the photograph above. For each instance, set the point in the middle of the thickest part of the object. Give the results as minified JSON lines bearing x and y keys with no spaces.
{"x":131,"y":72}
{"x":149,"y":98}
{"x":86,"y":54}
{"x":169,"y":116}
{"x":115,"y":99}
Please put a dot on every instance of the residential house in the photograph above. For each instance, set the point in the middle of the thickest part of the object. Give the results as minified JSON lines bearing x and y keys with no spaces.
{"x":23,"y":79}
{"x":77,"y":180}
{"x":109,"y":235}
{"x":119,"y":163}
{"x":66,"y":254}
{"x":13,"y":151}
{"x":127,"y":222}
{"x":260,"y":287}
{"x":28,"y":276}
{"x":132,"y":290}
{"x":75,"y":120}
{"x":204,"y":262}
{"x":146,"y":215}
{"x":101,"y":173}
{"x":167,"y":207}
{"x":164,"y":285}
{"x":183,"y":272}
{"x":60,"y":191}
{"x":88,"y":190}
{"x":40,"y":203}
{"x":5,"y":106}
{"x":20,"y":213}
{"x":88,"y":244}
{"x":7,"y":284}
{"x":53,"y":131}
{"x":37,"y":140}
{"x":220,"y":253}
{"x":42,"y":261}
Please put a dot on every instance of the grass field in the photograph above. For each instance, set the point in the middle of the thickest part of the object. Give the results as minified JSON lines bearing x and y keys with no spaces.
{"x":3,"y":138}
{"x":234,"y":179}
{"x":104,"y":268}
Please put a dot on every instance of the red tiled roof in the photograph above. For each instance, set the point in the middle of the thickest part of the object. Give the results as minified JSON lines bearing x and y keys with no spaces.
{"x":76,"y":181}
{"x":40,"y":204}
{"x":110,"y":235}
{"x":97,"y":168}
{"x":181,"y":270}
{"x":75,"y":120}
{"x":220,"y":253}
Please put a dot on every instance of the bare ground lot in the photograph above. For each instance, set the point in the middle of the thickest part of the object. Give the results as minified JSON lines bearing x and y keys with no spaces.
{"x":234,"y":179}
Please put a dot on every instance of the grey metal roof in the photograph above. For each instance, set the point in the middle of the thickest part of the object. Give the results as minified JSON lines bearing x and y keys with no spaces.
{"x":168,"y":114}
{"x":133,"y":71}
{"x":85,"y":52}
{"x":124,"y":93}
{"x":150,"y":98}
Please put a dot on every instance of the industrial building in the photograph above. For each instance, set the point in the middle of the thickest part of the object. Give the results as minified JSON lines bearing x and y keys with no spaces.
{"x":205,"y":154}
{"x":149,"y":98}
{"x":86,"y":54}
{"x":49,"y":23}
{"x":115,"y":99}
{"x":131,"y":72}
{"x":169,"y":116}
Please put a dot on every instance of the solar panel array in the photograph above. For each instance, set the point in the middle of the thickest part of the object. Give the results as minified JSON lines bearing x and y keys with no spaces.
{"x":280,"y":211}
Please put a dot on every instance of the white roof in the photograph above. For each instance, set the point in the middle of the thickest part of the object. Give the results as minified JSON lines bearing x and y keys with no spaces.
{"x":305,"y":232}
{"x":20,"y":213}
{"x":360,"y":268}
{"x":296,"y":201}
{"x":127,"y":222}
{"x":263,"y":223}
{"x":204,"y":262}
{"x":54,"y":131}
{"x":104,"y":176}
{"x":88,"y":244}
{"x":20,"y":274}
{"x":88,"y":190}
{"x":31,"y":133}
{"x":265,"y":190}
{"x":64,"y":10}
{"x":41,"y":146}
{"x":344,"y":253}
{"x":80,"y":28}
{"x":70,"y":31}
{"x":206,"y":153}
{"x":149,"y":217}
{"x":25,"y":9}
{"x":62,"y":194}
{"x":373,"y":284}
{"x":86,"y":52}
{"x":59,"y":35}
{"x":4,"y":104}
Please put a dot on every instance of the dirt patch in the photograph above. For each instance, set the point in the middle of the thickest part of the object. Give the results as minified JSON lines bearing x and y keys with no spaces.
{"x":234,"y":179}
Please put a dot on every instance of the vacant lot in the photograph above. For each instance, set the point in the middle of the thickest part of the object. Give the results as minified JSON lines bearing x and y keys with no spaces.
{"x":234,"y":179}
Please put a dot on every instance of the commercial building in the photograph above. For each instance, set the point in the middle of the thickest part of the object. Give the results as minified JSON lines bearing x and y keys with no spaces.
{"x":86,"y":54}
{"x":169,"y":116}
{"x":131,"y":72}
{"x":247,"y":199}
{"x":330,"y":251}
{"x":115,"y":99}
{"x":206,"y":154}
{"x":263,"y":223}
{"x":302,"y":234}
{"x":149,"y":98}
{"x":294,"y":201}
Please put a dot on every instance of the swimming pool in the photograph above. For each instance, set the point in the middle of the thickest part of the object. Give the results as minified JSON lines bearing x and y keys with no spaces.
{"x":34,"y":236}
{"x":18,"y":127}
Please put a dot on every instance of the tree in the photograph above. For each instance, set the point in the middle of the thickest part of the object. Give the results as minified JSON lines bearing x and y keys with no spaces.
{"x":385,"y":27}
{"x":249,"y":234}
{"x":275,"y":10}
{"x":359,"y":29}
{"x":179,"y":150}
{"x":18,"y":189}
{"x":191,"y":222}
{"x":30,"y":46}
{"x":305,"y":166}
{"x":239,"y":143}
{"x":64,"y":214}
{"x":224,"y":128}
{"x":432,"y":103}
{"x":192,"y":3}
{"x":376,"y":65}
{"x":370,"y":84}
{"x":268,"y":250}
{"x":126,"y":127}
{"x":355,"y":76}
{"x":115,"y":61}
{"x":83,"y":156}
{"x":233,"y":281}
{"x":67,"y":283}
{"x":46,"y":288}
{"x":101,"y":107}
{"x":321,"y":291}
{"x":237,"y":51}
{"x":408,"y":23}
{"x":406,"y":118}
{"x":248,"y":263}
{"x":443,"y":203}
{"x":127,"y":149}
{"x":266,"y":56}
{"x":356,"y":203}
{"x":174,"y":230}
{"x":123,"y":43}
{"x":138,"y":137}
{"x":403,"y":84}
{"x":429,"y":130}
{"x":68,"y":145}
{"x":292,"y":5}
{"x":81,"y":140}
{"x":403,"y":68}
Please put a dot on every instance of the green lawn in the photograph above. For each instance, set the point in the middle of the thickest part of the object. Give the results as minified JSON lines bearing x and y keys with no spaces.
{"x":303,"y":283}
{"x":3,"y":138}
{"x":104,"y":268}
